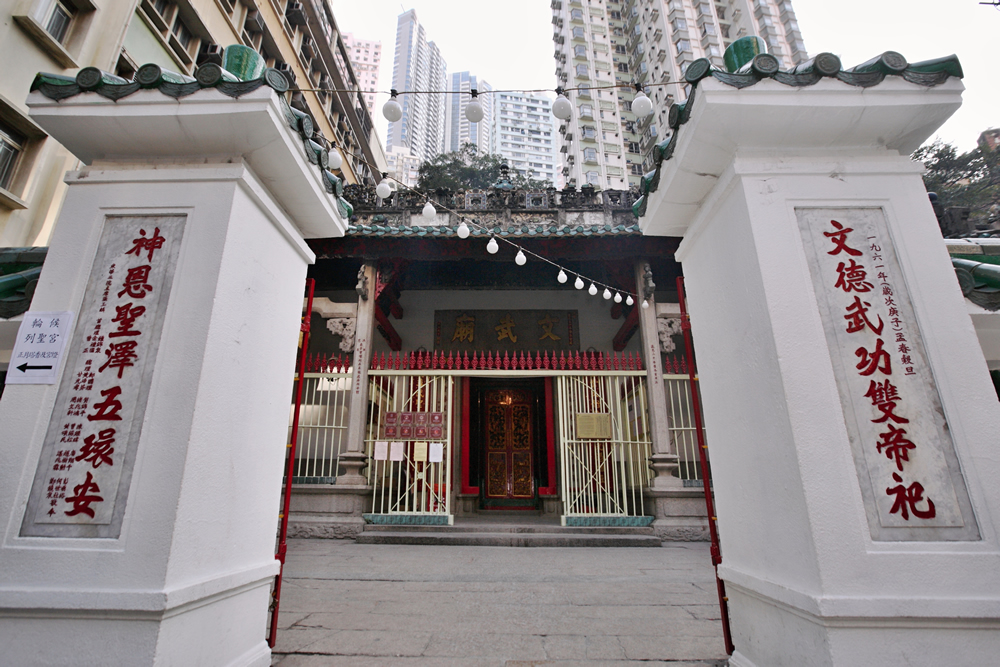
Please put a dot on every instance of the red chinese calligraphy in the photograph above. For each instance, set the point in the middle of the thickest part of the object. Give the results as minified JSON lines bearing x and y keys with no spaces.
{"x":121,"y":356}
{"x":107,"y":410}
{"x":151,"y":244}
{"x":85,"y":494}
{"x":896,"y":446}
{"x":851,"y":277}
{"x":97,"y":449}
{"x":884,"y":396}
{"x":839,"y":239}
{"x":876,"y":360}
{"x":907,"y":499}
{"x":857,"y":317}
{"x":135,"y":284}
{"x":125,"y":316}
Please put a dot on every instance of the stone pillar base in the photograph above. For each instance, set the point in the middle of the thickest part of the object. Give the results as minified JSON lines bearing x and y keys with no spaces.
{"x":329,"y":511}
{"x":680,"y":514}
{"x":352,"y":463}
{"x":666,"y":468}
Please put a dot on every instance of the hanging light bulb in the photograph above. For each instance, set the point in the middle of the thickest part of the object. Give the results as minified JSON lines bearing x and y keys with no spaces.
{"x":579,"y":283}
{"x":618,"y":297}
{"x":336,"y":161}
{"x":474,"y":110}
{"x":463,"y":230}
{"x":429,"y":212}
{"x":520,"y":258}
{"x":492,"y":246}
{"x":391,"y":109}
{"x":641,"y":105}
{"x":607,"y":293}
{"x":645,"y":304}
{"x":593,"y":289}
{"x":383,"y":190}
{"x":562,"y":277}
{"x":562,"y":108}
{"x":629,"y":301}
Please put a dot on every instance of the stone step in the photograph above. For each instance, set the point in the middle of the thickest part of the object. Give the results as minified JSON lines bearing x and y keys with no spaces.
{"x":503,"y":539}
{"x":507,"y":528}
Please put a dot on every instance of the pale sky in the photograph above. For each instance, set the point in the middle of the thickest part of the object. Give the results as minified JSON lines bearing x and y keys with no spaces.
{"x":509,"y":44}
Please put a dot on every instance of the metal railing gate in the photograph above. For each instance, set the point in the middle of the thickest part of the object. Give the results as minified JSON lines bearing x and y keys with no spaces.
{"x":410,"y":459}
{"x":604,"y":445}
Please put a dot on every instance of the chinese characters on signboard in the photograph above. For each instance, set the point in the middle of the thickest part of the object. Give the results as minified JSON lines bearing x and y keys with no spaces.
{"x":506,"y":330}
{"x":909,"y":473}
{"x":38,"y":349}
{"x":81,"y":484}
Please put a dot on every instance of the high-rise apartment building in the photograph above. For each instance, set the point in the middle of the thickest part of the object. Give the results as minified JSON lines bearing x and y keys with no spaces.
{"x":418,"y":66}
{"x":458,"y":129}
{"x":365,"y":56}
{"x":604,"y":43}
{"x":302,"y":41}
{"x":525,"y":134}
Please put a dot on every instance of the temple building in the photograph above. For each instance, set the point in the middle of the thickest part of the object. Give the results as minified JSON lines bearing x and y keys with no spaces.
{"x":494,"y":384}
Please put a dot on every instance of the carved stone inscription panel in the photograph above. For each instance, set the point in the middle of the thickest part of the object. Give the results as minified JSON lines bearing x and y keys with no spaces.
{"x":908,"y":470}
{"x":82,"y":481}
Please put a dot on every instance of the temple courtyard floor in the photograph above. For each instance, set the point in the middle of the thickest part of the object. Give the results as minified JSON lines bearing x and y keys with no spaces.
{"x":373,"y":604}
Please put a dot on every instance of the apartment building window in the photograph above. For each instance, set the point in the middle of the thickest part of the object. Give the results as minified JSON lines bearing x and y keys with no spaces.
{"x":615,"y":15}
{"x":683,"y":46}
{"x":590,"y":155}
{"x":622,"y":67}
{"x":679,"y":24}
{"x":11,"y":144}
{"x":633,"y":147}
{"x":578,"y":33}
{"x":586,"y":111}
{"x":59,"y":20}
{"x":581,"y":70}
{"x":593,"y":177}
{"x":619,"y":48}
{"x":576,"y":15}
{"x":588,"y":132}
{"x":580,"y":51}
{"x":181,"y":32}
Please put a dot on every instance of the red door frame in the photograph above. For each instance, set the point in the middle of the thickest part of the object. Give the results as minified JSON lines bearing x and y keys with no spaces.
{"x":550,"y":440}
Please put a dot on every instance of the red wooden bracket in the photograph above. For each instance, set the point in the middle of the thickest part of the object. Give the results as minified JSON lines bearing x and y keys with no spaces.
{"x":629,"y":327}
{"x":386,"y":329}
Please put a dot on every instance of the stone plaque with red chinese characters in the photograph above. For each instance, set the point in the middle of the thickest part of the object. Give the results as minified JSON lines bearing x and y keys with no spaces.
{"x":82,"y":482}
{"x":909,"y":473}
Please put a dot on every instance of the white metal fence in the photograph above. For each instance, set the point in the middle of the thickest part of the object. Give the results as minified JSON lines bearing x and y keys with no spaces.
{"x":604,"y":444}
{"x":681,"y":427}
{"x":322,"y":427}
{"x":409,"y":443}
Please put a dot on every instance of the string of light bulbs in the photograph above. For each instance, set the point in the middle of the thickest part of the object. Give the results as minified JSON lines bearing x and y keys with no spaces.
{"x":384,"y":190}
{"x":562,"y":108}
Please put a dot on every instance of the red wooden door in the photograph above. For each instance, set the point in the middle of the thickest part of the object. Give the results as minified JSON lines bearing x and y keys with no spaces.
{"x":509,"y":438}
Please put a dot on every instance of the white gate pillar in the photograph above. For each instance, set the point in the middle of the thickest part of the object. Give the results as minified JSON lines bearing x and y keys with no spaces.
{"x":164,"y":553}
{"x":821,"y":565}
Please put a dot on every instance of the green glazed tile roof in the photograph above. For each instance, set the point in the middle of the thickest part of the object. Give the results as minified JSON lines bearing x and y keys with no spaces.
{"x":526,"y":230}
{"x":766,"y":66}
{"x":210,"y":75}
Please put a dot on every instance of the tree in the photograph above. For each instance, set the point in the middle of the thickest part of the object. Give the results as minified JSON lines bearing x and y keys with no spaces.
{"x":963,"y":179}
{"x":466,"y":169}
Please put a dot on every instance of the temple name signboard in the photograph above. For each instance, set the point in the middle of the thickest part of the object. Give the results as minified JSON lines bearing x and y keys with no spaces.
{"x":82,"y":481}
{"x":908,"y":470}
{"x":506,"y":330}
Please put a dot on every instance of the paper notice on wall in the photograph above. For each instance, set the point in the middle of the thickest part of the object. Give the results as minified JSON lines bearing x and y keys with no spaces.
{"x":419,"y":452}
{"x":437,"y":452}
{"x":381,"y":450}
{"x":396,"y":451}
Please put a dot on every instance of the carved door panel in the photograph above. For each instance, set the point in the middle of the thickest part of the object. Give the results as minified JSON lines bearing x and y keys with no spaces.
{"x":509,"y":438}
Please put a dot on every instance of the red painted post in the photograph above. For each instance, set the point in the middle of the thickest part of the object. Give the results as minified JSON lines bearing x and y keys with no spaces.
{"x":703,"y":456}
{"x":283,"y":533}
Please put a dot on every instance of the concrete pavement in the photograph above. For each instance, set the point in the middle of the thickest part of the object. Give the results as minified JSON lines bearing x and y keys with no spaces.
{"x":354,"y":604}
